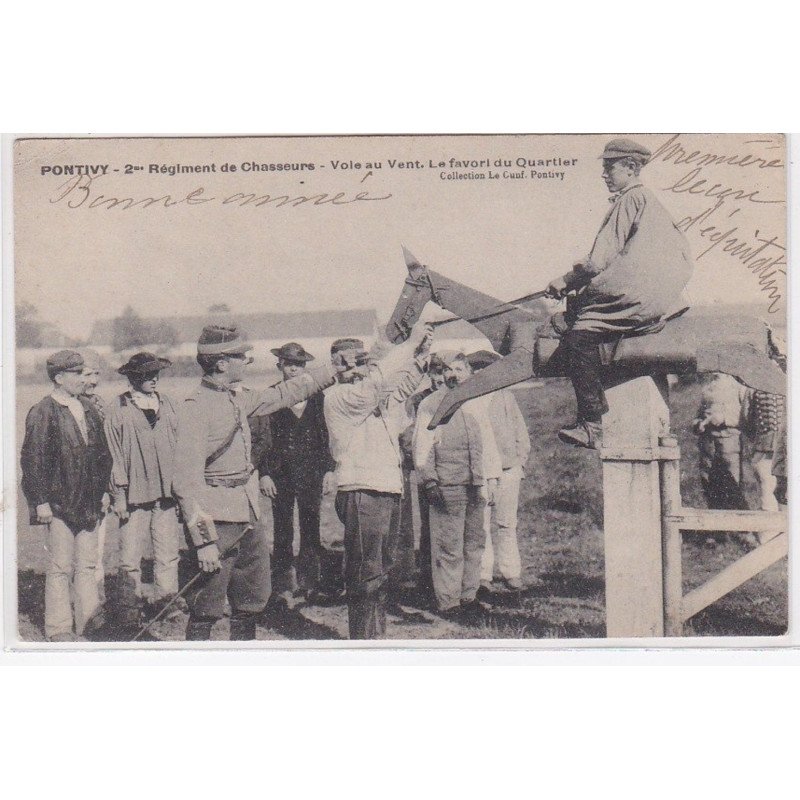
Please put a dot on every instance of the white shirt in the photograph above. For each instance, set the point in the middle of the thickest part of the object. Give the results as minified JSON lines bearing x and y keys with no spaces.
{"x":492,"y":461}
{"x":364,"y":424}
{"x":299,"y":408}
{"x":145,"y":401}
{"x":76,"y":409}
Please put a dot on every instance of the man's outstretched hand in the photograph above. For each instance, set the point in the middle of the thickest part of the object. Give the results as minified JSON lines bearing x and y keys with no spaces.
{"x":345,"y":360}
{"x":557,"y":288}
{"x":421,"y":335}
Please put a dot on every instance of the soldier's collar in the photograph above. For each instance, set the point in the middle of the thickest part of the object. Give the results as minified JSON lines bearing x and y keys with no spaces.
{"x":210,"y":383}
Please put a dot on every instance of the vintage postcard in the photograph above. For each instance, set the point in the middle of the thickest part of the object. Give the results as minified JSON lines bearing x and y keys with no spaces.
{"x":510,"y":390}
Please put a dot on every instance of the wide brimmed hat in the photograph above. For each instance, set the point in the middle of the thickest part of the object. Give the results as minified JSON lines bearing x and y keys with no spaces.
{"x":626,"y":148}
{"x":292,"y":351}
{"x":222,"y":340}
{"x":144,"y":363}
{"x":481,"y":359}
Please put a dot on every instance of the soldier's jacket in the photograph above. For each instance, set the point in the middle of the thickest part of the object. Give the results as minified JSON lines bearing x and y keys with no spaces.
{"x":227,"y":488}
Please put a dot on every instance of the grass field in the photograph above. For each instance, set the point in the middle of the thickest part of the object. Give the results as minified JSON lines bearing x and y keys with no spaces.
{"x":561,"y":543}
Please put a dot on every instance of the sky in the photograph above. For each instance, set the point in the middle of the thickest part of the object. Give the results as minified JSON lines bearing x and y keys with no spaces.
{"x":505,"y":236}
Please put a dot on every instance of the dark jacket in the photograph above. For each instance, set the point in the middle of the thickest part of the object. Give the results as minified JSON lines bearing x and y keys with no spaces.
{"x":300,"y":452}
{"x":261,"y":443}
{"x":59,"y":468}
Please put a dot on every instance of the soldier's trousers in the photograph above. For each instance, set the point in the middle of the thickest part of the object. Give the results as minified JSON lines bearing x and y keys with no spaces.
{"x":371,"y":521}
{"x":243,"y":579}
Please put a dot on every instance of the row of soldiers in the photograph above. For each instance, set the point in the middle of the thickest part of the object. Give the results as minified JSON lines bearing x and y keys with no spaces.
{"x":194,"y":470}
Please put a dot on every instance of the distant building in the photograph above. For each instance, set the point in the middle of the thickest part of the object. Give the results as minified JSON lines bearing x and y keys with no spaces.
{"x":315,"y":330}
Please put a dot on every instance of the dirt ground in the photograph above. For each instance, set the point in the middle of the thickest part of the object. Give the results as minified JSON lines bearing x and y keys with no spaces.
{"x":561,"y":544}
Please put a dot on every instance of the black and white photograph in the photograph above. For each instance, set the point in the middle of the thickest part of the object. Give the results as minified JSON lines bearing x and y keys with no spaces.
{"x":399,"y":390}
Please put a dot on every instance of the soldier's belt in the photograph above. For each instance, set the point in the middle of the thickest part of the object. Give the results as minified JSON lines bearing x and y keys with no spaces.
{"x":229,"y":483}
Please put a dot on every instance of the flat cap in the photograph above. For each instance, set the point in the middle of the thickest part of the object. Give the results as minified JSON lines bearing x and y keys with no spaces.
{"x":221,"y":340}
{"x":626,"y":148}
{"x":292,"y":351}
{"x":64,"y":361}
{"x":481,"y":359}
{"x":144,"y":363}
{"x":347,"y":343}
{"x":351,"y":343}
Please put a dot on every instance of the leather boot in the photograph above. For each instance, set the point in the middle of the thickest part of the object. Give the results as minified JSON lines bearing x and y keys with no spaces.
{"x":199,"y":629}
{"x":243,"y":627}
{"x":584,"y":434}
{"x":366,"y":617}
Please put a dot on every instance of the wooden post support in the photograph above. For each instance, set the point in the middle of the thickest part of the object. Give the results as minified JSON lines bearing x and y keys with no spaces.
{"x":735,"y":575}
{"x":638,"y":416}
{"x":671,"y":541}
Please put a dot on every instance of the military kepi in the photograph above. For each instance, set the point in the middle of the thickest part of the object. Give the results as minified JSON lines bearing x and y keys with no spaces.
{"x":221,"y":340}
{"x":626,"y":148}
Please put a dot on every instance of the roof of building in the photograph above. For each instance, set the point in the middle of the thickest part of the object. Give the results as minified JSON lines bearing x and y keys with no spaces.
{"x":257,"y":326}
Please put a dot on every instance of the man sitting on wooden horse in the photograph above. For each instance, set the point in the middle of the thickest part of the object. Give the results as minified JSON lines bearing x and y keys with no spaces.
{"x":631,"y":280}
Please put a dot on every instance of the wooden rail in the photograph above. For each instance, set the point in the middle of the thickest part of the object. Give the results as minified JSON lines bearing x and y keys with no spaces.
{"x":644,"y":521}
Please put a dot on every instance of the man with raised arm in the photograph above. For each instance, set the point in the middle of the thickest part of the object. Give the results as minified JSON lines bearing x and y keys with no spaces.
{"x":364,"y":435}
{"x":215,"y":482}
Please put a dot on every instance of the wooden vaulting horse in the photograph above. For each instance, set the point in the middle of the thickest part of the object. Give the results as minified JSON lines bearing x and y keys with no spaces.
{"x":737,"y":345}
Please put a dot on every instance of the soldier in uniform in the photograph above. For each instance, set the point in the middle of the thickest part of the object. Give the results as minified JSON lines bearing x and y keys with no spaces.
{"x":216,"y":485}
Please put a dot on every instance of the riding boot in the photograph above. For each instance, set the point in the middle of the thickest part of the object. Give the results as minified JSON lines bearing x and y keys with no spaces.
{"x":199,"y":629}
{"x":243,"y":627}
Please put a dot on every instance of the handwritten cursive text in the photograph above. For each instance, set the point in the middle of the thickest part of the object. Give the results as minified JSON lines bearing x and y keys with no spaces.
{"x":78,"y":192}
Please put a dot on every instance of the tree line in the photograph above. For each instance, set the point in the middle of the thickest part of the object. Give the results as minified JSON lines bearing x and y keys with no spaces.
{"x":128,"y":330}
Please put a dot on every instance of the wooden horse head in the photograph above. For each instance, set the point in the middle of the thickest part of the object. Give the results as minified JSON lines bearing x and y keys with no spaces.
{"x":506,"y":331}
{"x":418,"y":289}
